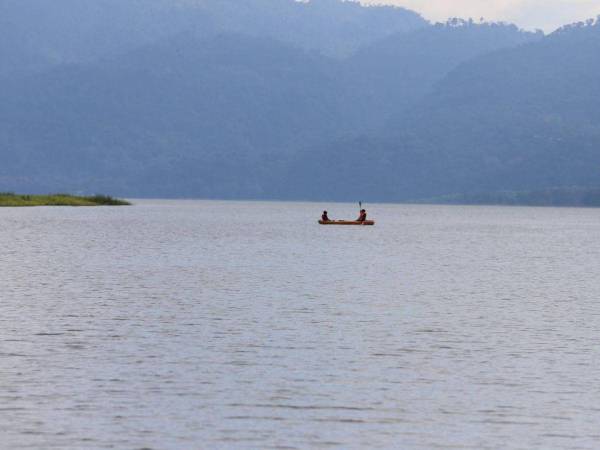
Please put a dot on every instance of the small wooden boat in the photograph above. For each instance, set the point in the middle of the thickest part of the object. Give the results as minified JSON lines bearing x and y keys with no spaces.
{"x":347,"y":222}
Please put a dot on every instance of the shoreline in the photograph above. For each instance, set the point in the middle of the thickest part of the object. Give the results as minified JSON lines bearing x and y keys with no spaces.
{"x":9,"y":199}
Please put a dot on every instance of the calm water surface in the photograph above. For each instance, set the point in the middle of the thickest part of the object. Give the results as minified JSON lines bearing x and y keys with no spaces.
{"x":180,"y":325}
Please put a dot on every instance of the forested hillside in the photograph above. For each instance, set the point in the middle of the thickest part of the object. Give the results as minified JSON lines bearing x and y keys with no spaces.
{"x":516,"y":119}
{"x":395,"y":73}
{"x":279,"y":99}
{"x":182,"y":117}
{"x":38,"y":34}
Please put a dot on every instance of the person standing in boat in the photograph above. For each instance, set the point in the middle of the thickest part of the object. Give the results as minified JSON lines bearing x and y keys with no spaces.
{"x":363,"y":216}
{"x":324,"y":217}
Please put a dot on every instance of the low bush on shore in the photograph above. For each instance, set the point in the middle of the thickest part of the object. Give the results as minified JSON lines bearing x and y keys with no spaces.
{"x":12,"y":199}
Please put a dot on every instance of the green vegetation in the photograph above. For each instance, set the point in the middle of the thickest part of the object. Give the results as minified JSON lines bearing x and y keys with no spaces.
{"x":11,"y":199}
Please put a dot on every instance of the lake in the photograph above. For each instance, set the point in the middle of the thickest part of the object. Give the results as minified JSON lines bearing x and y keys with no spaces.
{"x":196,"y":324}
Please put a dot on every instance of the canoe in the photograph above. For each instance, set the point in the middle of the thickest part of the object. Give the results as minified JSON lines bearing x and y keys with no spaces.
{"x":347,"y":222}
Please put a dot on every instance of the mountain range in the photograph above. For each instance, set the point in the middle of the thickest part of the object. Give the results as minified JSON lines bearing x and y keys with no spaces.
{"x":277,"y":99}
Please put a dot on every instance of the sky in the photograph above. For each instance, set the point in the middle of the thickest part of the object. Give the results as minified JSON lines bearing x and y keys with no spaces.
{"x":547,"y":15}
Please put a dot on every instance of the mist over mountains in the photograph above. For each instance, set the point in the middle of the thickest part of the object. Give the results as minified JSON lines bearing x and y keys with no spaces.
{"x":323,"y":100}
{"x":37,"y":34}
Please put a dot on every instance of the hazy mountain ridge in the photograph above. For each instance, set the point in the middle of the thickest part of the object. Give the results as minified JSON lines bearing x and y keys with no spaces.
{"x":194,"y":112}
{"x":330,"y":26}
{"x":133,"y":121}
{"x":395,"y":73}
{"x":38,"y":34}
{"x":515,"y":119}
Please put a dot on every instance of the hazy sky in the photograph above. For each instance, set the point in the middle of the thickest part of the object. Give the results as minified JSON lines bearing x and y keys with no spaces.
{"x":545,"y":14}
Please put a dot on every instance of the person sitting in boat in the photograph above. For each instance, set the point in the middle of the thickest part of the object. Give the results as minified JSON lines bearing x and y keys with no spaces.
{"x":363,"y":216}
{"x":324,"y":217}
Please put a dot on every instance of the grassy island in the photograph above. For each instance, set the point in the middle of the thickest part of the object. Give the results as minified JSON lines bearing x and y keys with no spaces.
{"x":11,"y":199}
